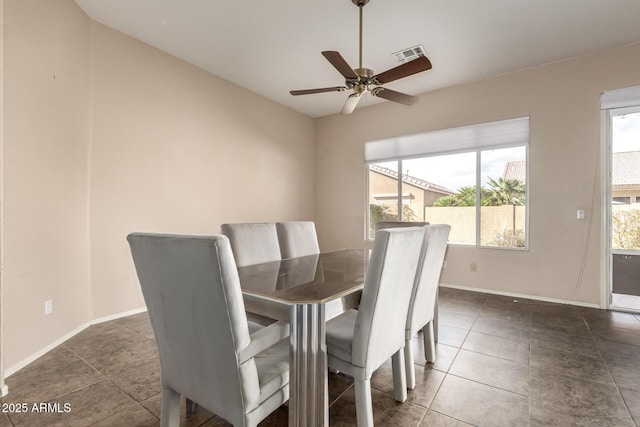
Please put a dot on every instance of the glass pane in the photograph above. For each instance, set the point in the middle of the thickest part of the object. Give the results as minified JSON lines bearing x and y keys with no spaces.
{"x":503,"y":197}
{"x":383,"y":194}
{"x":442,"y":190}
{"x":625,"y":182}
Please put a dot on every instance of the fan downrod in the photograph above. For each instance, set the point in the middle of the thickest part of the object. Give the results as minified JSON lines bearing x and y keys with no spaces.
{"x":360,"y":3}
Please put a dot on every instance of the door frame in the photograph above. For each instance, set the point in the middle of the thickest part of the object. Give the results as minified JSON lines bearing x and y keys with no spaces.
{"x":606,"y":270}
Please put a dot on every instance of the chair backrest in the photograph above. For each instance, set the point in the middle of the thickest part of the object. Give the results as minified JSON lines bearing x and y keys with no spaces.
{"x":297,"y":238}
{"x":381,"y":319}
{"x":253,"y":243}
{"x":425,"y":288}
{"x":381,"y":225}
{"x":191,"y":288}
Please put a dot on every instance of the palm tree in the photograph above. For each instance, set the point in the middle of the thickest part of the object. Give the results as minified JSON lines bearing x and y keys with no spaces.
{"x":466,"y":196}
{"x":504,"y":192}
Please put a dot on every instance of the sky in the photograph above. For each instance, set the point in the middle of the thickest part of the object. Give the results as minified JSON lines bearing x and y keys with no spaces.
{"x":459,"y":170}
{"x":626,"y":132}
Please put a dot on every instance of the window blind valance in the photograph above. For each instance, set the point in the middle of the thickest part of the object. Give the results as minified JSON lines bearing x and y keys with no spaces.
{"x":620,"y":98}
{"x":484,"y":135}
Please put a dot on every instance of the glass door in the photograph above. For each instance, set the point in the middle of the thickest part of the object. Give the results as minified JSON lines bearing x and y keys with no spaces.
{"x":624,"y":209}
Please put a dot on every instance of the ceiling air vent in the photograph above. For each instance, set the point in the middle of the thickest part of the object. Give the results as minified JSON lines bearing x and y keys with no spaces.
{"x":409,"y":54}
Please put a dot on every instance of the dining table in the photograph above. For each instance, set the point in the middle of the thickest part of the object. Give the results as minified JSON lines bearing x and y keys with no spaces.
{"x":311,"y":290}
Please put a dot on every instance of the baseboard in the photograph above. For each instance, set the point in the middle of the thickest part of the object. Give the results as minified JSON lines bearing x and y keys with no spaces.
{"x":517,"y":295}
{"x":118,"y":315}
{"x":15,"y":368}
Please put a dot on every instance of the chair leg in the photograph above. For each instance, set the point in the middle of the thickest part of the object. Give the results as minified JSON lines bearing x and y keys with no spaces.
{"x":399,"y":380}
{"x":429,"y":342}
{"x":435,"y":317}
{"x":364,"y":408}
{"x":170,"y":409}
{"x":409,"y":365}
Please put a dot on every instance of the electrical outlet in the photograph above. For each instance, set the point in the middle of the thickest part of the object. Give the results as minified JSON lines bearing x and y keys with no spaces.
{"x":474,"y":266}
{"x":48,"y":307}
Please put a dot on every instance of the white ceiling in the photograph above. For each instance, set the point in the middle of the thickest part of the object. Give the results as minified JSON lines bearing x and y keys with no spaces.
{"x":271,"y":47}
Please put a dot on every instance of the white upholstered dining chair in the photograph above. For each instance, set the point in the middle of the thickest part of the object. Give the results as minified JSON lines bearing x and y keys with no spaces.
{"x":253,"y":243}
{"x":256,"y":243}
{"x":297,"y":239}
{"x":208,"y":351}
{"x":382,"y":225}
{"x":359,"y":341}
{"x":424,"y":296}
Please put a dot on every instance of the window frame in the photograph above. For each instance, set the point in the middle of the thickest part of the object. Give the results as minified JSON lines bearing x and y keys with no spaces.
{"x":478,"y":153}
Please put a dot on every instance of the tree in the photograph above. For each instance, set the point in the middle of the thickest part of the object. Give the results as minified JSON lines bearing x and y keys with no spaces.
{"x":625,"y":227}
{"x":466,"y":196}
{"x":379,"y":213}
{"x":504,"y":192}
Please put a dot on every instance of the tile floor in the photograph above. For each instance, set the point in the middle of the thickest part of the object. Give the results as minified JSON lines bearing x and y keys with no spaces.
{"x":500,"y":362}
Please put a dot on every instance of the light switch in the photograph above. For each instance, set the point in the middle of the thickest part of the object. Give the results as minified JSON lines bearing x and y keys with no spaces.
{"x":580,"y":214}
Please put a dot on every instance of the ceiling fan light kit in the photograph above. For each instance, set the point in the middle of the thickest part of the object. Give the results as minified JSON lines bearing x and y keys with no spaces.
{"x":362,"y":80}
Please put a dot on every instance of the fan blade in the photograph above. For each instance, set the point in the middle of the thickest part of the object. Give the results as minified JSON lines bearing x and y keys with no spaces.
{"x":392,"y":95}
{"x":418,"y":65}
{"x":350,"y":105}
{"x":321,"y":90}
{"x":340,"y":64}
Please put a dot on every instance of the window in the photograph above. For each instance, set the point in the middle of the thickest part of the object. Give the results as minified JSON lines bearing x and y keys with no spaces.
{"x":473,"y":178}
{"x":621,"y":200}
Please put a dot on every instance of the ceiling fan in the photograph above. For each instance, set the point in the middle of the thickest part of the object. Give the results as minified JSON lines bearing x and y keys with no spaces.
{"x":362,"y":80}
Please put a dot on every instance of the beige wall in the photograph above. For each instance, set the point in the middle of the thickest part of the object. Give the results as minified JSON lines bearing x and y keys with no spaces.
{"x":562,"y":100}
{"x":125,"y":138}
{"x":45,"y":244}
{"x":176,"y":149}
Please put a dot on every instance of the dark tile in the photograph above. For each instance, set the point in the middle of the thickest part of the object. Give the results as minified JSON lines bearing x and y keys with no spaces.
{"x":450,"y":335}
{"x":122,"y":352}
{"x":138,"y":323}
{"x":100,"y":338}
{"x":493,"y":371}
{"x":87,"y":405}
{"x":278,"y":418}
{"x":4,"y":421}
{"x":444,"y":355}
{"x":338,"y":384}
{"x":506,"y":328}
{"x":516,"y":350}
{"x":568,"y":324}
{"x":583,"y":366}
{"x":623,"y":361}
{"x":56,"y":373}
{"x":456,"y":319}
{"x":571,"y":397}
{"x":632,"y":400}
{"x":197,"y":418}
{"x":621,"y":336}
{"x":606,"y":319}
{"x":563,"y":341}
{"x":435,"y":419}
{"x":427,"y":383}
{"x":130,"y":417}
{"x":140,"y":380}
{"x":511,"y":309}
{"x":386,"y":411}
{"x":479,"y":404}
{"x":564,"y":417}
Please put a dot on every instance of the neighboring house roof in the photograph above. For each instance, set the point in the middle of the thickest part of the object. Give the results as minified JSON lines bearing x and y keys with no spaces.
{"x":516,"y":169}
{"x":625,"y":168}
{"x":416,"y":182}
